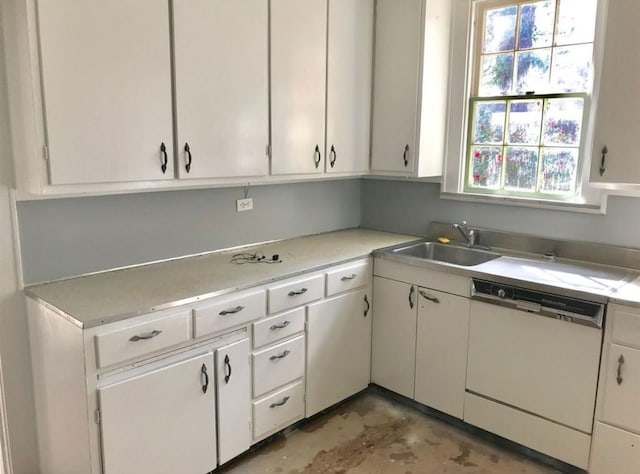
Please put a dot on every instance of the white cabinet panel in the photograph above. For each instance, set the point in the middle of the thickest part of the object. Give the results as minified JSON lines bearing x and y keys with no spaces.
{"x":614,"y":451}
{"x":298,"y":84}
{"x":622,"y":388}
{"x":278,"y":410}
{"x":228,"y":311}
{"x":161,"y":421}
{"x":106,"y":77}
{"x":295,"y":292}
{"x":281,"y":326}
{"x":278,"y":365}
{"x":349,"y":277}
{"x":222,"y":103}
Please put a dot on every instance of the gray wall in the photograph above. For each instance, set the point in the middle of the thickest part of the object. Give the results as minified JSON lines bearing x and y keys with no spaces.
{"x":65,"y":237}
{"x":409,"y":206}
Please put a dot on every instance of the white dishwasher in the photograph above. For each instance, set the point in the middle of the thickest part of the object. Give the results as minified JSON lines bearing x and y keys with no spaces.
{"x":532,"y":368}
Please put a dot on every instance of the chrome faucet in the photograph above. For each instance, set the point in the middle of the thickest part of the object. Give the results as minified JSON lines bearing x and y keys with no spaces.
{"x":468,"y":234}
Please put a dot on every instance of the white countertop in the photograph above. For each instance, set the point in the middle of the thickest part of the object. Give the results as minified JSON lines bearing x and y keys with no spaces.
{"x":629,"y":294}
{"x":110,"y":296}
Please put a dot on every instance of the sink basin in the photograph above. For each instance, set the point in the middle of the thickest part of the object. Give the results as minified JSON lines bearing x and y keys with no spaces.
{"x":464,"y":256}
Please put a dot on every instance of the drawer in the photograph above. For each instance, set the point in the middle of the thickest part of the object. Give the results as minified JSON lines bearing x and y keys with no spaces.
{"x":614,"y":451}
{"x":275,"y":328}
{"x":278,"y":365}
{"x":295,"y":292}
{"x":625,"y":325}
{"x":136,"y":340}
{"x":622,"y":395}
{"x":349,"y":277}
{"x":228,"y":311}
{"x":278,"y":410}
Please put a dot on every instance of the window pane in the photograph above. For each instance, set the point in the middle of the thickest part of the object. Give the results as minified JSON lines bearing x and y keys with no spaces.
{"x":500,"y":29}
{"x":522,"y":168}
{"x":576,"y":21}
{"x":486,"y":167}
{"x":536,"y":25}
{"x":563,"y":121}
{"x":489,"y":122}
{"x":525,"y":119}
{"x":497,"y":75}
{"x":533,"y":71}
{"x":571,"y":68}
{"x":559,"y":167}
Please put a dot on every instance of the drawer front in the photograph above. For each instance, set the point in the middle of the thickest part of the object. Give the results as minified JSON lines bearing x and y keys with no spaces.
{"x":278,"y":365}
{"x":276,"y":328}
{"x":349,"y":277}
{"x":622,"y":388}
{"x":228,"y":311}
{"x":144,"y":338}
{"x":626,"y":325}
{"x":614,"y":451}
{"x":295,"y":293}
{"x":278,"y":410}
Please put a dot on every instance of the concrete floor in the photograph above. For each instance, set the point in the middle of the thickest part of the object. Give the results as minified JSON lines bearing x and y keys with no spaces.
{"x":371,"y":434}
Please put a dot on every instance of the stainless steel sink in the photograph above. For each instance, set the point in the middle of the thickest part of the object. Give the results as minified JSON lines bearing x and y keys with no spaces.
{"x":464,"y":256}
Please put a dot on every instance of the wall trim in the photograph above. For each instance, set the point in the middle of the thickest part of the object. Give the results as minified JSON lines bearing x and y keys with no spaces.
{"x":5,"y":453}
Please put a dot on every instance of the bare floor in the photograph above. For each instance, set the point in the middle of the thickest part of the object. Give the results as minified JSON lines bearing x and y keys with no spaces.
{"x":371,"y":435}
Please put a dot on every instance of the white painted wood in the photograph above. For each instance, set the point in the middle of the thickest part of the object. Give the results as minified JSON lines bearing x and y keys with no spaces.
{"x":277,"y":365}
{"x":349,"y":79}
{"x":222,"y":102}
{"x":625,"y":328}
{"x":298,"y":85}
{"x":161,"y":421}
{"x":233,"y":381}
{"x":394,"y":336}
{"x":347,"y":278}
{"x":106,"y":76}
{"x":441,"y":351}
{"x":541,"y":365}
{"x":338,"y":349}
{"x":269,"y":330}
{"x":295,"y":292}
{"x":5,"y":460}
{"x":278,"y":409}
{"x":621,"y":400}
{"x":228,"y":311}
{"x":614,"y":450}
{"x":618,"y":111}
{"x":555,"y":440}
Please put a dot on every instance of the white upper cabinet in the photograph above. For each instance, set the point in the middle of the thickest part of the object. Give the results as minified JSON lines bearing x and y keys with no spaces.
{"x":222,"y":87}
{"x":349,"y":62}
{"x":618,"y":108}
{"x":298,"y":80}
{"x":410,"y":87}
{"x":106,"y":79}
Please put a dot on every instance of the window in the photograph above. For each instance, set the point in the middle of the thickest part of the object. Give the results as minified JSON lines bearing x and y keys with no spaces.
{"x":531,"y":80}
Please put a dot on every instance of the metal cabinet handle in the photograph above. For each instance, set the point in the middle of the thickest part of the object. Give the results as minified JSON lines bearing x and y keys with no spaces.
{"x":366,"y":310}
{"x":235,"y":310}
{"x":165,"y":157}
{"x":280,"y":403}
{"x":144,"y":337}
{"x":411,"y":292}
{"x":227,"y":365}
{"x":426,"y":296}
{"x":603,"y":168}
{"x":203,"y":372}
{"x":298,"y":293}
{"x":333,"y":156}
{"x":280,"y":356}
{"x":317,"y":156}
{"x":347,"y":278}
{"x":619,"y":378}
{"x":405,"y":155}
{"x":187,"y":150}
{"x":275,"y":327}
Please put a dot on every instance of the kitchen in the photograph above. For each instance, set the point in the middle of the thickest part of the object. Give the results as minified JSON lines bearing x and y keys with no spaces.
{"x":60,"y":238}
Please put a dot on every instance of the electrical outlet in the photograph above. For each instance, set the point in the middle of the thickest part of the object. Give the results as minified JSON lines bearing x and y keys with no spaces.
{"x":244,"y":204}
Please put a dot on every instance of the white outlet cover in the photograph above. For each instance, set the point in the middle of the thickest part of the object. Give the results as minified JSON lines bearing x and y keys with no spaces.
{"x":244,"y":204}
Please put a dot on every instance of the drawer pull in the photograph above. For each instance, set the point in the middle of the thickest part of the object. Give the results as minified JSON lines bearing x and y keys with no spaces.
{"x":347,"y":278}
{"x":275,"y":327}
{"x":280,"y":356}
{"x":144,"y":337}
{"x":203,"y":371}
{"x":235,"y":310}
{"x":426,"y":296}
{"x":280,"y":403}
{"x":297,"y":293}
{"x":227,"y":364}
{"x":366,"y":310}
{"x":619,"y":378}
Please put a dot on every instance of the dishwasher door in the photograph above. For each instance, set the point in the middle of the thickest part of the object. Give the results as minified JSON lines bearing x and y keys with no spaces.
{"x":543,"y":366}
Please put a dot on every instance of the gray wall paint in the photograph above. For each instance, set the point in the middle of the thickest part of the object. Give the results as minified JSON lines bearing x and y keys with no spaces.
{"x":409,"y":206}
{"x":65,"y":237}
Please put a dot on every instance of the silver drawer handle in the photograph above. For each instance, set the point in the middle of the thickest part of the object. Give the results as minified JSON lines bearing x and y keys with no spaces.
{"x":299,"y":292}
{"x":280,"y":403}
{"x":235,"y":310}
{"x":275,"y":327}
{"x":144,"y":337}
{"x":280,"y":356}
{"x":347,"y":278}
{"x":425,"y":295}
{"x":619,"y":378}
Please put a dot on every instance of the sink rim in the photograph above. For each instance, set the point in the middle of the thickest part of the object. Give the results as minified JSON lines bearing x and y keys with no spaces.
{"x":485,"y":255}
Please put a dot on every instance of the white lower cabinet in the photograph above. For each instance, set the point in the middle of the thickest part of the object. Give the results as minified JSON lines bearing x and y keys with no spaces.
{"x":278,"y":410}
{"x":614,"y":451}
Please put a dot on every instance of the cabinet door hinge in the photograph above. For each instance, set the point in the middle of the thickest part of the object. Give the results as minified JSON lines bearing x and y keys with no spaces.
{"x":97,"y":417}
{"x":268,"y":150}
{"x":45,"y":152}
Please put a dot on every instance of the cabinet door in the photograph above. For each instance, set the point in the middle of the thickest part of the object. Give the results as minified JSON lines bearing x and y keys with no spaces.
{"x":441,"y":350}
{"x":349,"y":79}
{"x":622,"y":388}
{"x":338,"y":349}
{"x":395,"y":95}
{"x":618,"y":108}
{"x":614,"y":451}
{"x":394,"y":335}
{"x":222,"y":102}
{"x":106,"y":77}
{"x":233,"y":378}
{"x":162,"y":421}
{"x":298,"y":84}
